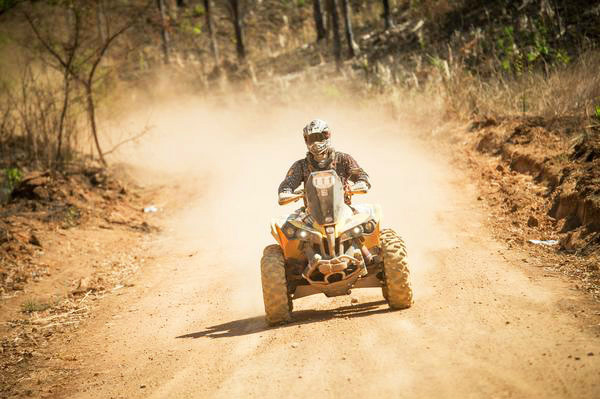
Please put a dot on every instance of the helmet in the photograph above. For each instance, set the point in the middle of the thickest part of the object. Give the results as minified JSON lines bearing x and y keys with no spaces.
{"x":317,"y":139}
{"x":315,"y":126}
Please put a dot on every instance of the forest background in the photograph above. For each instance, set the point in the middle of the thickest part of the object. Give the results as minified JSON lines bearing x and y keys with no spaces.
{"x":63,"y":62}
{"x":508,"y":89}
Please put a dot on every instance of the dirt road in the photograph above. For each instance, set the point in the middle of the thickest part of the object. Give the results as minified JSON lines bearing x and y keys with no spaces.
{"x":484,"y":324}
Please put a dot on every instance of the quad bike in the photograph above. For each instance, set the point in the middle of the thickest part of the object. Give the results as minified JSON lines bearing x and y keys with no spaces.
{"x":329,"y":247}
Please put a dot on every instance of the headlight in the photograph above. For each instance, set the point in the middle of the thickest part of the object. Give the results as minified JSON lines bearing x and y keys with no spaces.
{"x":289,"y":230}
{"x":294,"y":233}
{"x":356,"y":231}
{"x":369,"y":227}
{"x":302,"y":234}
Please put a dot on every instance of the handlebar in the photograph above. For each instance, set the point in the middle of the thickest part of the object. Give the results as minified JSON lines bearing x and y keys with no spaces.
{"x":298,"y":194}
{"x":357,"y":192}
{"x":285,"y":201}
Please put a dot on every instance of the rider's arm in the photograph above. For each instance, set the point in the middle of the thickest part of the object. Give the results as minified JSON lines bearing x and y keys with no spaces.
{"x":354,"y":172}
{"x":293,"y":178}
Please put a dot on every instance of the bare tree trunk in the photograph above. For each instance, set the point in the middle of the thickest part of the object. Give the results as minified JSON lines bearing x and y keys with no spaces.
{"x":319,"y":25}
{"x":63,"y":114}
{"x":74,"y":45}
{"x":213,"y":42}
{"x":91,"y":109}
{"x":25,"y":109}
{"x":387,"y":16}
{"x":163,"y":30}
{"x":352,"y":46}
{"x":335,"y":27}
{"x":88,"y":84}
{"x":239,"y":32}
{"x":101,"y":21}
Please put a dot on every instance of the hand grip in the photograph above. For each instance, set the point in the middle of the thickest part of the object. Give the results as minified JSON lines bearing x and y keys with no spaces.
{"x":285,"y":201}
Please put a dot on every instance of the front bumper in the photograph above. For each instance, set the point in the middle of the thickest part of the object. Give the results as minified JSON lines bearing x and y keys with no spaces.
{"x":335,"y":276}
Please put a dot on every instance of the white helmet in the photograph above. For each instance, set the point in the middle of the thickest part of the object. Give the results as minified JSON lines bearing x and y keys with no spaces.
{"x":317,"y":138}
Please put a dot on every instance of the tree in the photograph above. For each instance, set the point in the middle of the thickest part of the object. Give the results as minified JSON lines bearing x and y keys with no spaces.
{"x":164,"y":30}
{"x":387,"y":16}
{"x":236,"y":19}
{"x":335,"y":27}
{"x":352,"y":46}
{"x":318,"y":15}
{"x":211,"y":33}
{"x":78,"y":60}
{"x":100,"y":20}
{"x":71,"y":49}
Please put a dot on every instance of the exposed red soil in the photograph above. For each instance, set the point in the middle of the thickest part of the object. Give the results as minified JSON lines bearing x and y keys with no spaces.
{"x":541,"y":180}
{"x":66,"y":240}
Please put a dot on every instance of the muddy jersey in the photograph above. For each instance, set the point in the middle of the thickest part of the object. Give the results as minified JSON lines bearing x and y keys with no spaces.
{"x":344,"y":165}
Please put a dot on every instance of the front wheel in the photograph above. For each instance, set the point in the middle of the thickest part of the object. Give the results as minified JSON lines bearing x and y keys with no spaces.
{"x":278,"y":303}
{"x":396,"y":289}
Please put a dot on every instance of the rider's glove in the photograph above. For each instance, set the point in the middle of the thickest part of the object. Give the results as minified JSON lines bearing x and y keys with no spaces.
{"x":360,"y":186}
{"x":285,"y":195}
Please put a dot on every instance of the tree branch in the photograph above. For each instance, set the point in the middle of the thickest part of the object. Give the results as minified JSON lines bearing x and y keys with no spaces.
{"x":44,"y":42}
{"x":101,"y":51}
{"x":133,"y":138}
{"x":67,"y":65}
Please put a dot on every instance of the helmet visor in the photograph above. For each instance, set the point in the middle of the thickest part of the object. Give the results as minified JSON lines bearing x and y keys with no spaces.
{"x":316,"y":137}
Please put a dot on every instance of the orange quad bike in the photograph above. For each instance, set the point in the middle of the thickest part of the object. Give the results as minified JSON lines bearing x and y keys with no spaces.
{"x":330,"y":247}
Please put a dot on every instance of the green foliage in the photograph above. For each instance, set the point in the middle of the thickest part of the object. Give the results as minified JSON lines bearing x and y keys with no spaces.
{"x":597,"y":112}
{"x":507,"y":48}
{"x":189,"y":24}
{"x":562,"y":57}
{"x":12,"y":177}
{"x":9,"y":179}
{"x":523,"y":51}
{"x":71,"y":217}
{"x":436,"y":61}
{"x":198,"y":10}
{"x":540,"y":45}
{"x":300,"y":3}
{"x":33,"y":305}
{"x":7,"y":4}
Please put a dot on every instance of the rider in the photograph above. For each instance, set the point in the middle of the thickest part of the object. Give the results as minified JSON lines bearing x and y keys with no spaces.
{"x":322,"y":156}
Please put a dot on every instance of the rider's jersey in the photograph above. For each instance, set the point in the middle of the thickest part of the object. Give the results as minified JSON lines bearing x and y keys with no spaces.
{"x":344,"y":165}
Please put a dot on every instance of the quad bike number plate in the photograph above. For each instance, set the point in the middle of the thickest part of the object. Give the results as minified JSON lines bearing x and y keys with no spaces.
{"x":323,"y":181}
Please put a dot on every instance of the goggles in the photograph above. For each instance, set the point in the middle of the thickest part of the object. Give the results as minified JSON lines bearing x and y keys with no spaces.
{"x":316,"y":137}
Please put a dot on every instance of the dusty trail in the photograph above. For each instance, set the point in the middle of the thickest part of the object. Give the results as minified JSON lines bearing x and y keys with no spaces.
{"x":193,"y":327}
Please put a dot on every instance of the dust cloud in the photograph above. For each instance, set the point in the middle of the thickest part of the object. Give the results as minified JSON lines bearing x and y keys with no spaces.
{"x":231,"y":155}
{"x":199,"y":330}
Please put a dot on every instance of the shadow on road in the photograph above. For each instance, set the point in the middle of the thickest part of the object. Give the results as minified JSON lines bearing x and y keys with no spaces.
{"x":257,"y":324}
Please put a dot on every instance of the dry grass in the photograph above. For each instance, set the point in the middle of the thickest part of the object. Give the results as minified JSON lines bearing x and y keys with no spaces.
{"x":34,"y":305}
{"x":566,"y":91}
{"x":30,"y":121}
